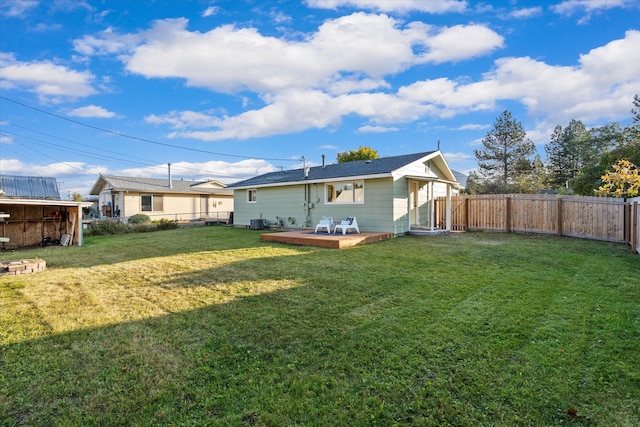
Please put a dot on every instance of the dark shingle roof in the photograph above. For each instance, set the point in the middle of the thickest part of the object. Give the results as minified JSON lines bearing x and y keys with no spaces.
{"x":379,"y":166}
{"x":29,"y":187}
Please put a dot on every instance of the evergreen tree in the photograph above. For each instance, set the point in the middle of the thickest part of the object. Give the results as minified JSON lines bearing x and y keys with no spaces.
{"x":569,"y":150}
{"x":504,"y":161}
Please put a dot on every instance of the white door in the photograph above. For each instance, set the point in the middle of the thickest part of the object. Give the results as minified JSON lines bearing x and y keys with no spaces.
{"x":413,"y":203}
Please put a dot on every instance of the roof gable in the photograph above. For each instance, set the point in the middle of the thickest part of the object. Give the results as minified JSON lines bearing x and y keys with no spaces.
{"x":359,"y":168}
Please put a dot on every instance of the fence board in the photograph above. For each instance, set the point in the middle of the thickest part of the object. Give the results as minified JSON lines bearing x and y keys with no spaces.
{"x":597,"y":218}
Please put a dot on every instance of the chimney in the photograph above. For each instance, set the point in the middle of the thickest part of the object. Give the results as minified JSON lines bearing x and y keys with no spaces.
{"x":170,"y":183}
{"x":323,"y":156}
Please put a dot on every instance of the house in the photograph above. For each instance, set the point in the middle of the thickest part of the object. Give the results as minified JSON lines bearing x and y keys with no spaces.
{"x":123,"y":196}
{"x":31,"y":213}
{"x":391,"y":194}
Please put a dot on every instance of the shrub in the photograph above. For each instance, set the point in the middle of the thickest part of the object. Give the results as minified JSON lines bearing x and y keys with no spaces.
{"x":103,"y":228}
{"x":143,"y":228}
{"x":165,"y":224}
{"x":139,"y":219}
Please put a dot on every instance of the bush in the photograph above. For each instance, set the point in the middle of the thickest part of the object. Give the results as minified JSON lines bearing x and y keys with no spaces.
{"x":139,"y":219}
{"x":165,"y":224}
{"x":143,"y":228}
{"x":104,"y":228}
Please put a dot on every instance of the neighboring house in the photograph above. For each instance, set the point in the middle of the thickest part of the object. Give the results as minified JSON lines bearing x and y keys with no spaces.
{"x":389,"y":194}
{"x":122,"y":196}
{"x":31,"y":213}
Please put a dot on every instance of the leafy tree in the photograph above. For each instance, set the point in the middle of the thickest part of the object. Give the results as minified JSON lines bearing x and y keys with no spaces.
{"x":589,"y":177}
{"x":504,"y":159}
{"x":362,"y":153}
{"x":570,"y":149}
{"x":624,"y":181}
{"x":76,"y":197}
{"x":623,"y":144}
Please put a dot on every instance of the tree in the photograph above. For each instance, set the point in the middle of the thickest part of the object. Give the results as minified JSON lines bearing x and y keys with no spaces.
{"x":636,"y":109}
{"x":590,"y":176}
{"x":570,"y":149}
{"x":504,"y":161}
{"x":624,"y":181}
{"x":362,"y":153}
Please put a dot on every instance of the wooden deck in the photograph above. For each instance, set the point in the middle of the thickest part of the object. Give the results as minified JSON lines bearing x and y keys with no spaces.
{"x":324,"y":240}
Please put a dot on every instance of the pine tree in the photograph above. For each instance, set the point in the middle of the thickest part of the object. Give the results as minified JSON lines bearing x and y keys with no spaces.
{"x":504,"y":161}
{"x":568,"y":151}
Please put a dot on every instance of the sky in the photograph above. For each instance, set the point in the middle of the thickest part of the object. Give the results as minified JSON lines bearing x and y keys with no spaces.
{"x":231,"y":89}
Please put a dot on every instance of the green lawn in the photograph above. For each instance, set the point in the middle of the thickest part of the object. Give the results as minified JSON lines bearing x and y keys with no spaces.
{"x":211,"y":326}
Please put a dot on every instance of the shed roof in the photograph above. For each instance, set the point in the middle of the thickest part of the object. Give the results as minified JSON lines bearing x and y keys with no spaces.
{"x":156,"y":185}
{"x":29,"y":187}
{"x":359,"y":168}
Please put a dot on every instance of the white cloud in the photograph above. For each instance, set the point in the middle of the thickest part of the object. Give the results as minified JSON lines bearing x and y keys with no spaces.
{"x":400,"y":6}
{"x":526,"y":12}
{"x":472,"y":126}
{"x":6,"y":139}
{"x":16,"y":8}
{"x":210,"y":11}
{"x":377,"y":129}
{"x":57,"y":169}
{"x":91,"y":111}
{"x":225,"y":172}
{"x":461,"y":42}
{"x":567,"y":7}
{"x":48,"y":80}
{"x":599,"y":87}
{"x":349,"y":53}
{"x":590,"y":7}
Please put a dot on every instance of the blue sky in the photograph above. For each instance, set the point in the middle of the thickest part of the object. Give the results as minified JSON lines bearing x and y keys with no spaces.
{"x":231,"y":89}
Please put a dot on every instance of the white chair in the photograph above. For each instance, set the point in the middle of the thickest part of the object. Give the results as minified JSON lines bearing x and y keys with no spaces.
{"x":325,"y":222}
{"x":347,"y":224}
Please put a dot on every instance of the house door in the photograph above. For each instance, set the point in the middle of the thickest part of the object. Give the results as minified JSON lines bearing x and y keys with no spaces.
{"x":204,"y":206}
{"x":413,"y":203}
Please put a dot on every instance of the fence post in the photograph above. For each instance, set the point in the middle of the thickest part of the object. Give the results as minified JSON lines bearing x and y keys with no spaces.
{"x":635,"y":238}
{"x":627,"y":222}
{"x":466,"y":213}
{"x":507,"y":226}
{"x":559,"y":227}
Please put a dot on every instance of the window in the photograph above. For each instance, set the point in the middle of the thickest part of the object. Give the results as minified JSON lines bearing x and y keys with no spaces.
{"x":252,"y":195}
{"x":152,"y":203}
{"x":345,"y":192}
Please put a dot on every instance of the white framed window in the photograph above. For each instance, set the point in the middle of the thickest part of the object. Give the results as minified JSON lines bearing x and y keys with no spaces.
{"x":344,"y":192}
{"x":151,"y":203}
{"x":252,"y":195}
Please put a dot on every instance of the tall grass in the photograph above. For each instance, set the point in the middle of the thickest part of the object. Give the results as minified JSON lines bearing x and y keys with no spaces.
{"x":211,"y":326}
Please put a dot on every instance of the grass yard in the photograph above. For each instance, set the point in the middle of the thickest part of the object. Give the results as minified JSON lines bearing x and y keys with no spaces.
{"x":210,"y":326}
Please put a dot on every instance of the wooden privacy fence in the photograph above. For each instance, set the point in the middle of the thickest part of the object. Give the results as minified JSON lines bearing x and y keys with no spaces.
{"x":598,"y":218}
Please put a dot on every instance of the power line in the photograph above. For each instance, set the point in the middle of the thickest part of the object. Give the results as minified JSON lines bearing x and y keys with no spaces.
{"x":184,"y":170}
{"x":135,"y":138}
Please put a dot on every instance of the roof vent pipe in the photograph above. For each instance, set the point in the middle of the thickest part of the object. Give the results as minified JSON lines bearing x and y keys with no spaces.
{"x":170,"y":183}
{"x":323,"y":156}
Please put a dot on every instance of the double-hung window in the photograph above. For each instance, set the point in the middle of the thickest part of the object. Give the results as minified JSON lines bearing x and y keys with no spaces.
{"x":344,"y":192}
{"x":252,"y":195}
{"x":152,"y":203}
